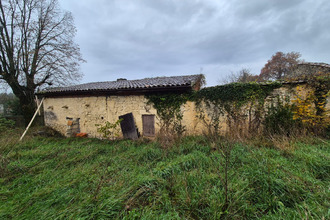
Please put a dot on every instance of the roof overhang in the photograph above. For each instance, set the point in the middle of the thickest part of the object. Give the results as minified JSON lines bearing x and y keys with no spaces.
{"x":135,"y":91}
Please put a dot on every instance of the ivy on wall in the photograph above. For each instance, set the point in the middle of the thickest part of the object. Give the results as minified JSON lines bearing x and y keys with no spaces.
{"x":310,"y":109}
{"x":241,"y":103}
{"x":321,"y":87}
{"x":237,"y":92}
{"x":168,"y":106}
{"x":211,"y":104}
{"x":238,"y":101}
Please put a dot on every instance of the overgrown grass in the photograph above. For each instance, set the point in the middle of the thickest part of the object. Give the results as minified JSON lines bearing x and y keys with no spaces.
{"x":57,"y":178}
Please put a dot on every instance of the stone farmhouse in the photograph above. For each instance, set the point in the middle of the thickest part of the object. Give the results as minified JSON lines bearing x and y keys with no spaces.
{"x":79,"y":108}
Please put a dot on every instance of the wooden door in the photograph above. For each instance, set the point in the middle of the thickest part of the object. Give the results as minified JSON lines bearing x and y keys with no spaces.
{"x":148,"y":122}
{"x":128,"y":126}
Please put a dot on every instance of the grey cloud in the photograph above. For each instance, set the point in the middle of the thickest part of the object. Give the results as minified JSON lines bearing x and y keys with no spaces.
{"x":145,"y":38}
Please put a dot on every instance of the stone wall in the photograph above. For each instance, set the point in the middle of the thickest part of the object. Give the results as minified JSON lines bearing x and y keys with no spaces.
{"x":95,"y":110}
{"x":310,"y":69}
{"x":99,"y":109}
{"x":90,"y":110}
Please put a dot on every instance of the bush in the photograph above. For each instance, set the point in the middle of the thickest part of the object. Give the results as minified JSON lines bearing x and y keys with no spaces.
{"x":279,"y":118}
{"x":6,"y":124}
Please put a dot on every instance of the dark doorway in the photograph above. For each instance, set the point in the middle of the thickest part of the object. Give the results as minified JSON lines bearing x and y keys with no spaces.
{"x":148,"y":122}
{"x":128,"y":126}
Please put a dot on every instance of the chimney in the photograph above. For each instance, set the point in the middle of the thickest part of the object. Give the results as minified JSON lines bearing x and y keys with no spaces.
{"x":121,"y":79}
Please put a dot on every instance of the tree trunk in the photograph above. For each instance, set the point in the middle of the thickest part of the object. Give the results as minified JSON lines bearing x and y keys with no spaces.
{"x":26,"y":97}
{"x":28,"y":107}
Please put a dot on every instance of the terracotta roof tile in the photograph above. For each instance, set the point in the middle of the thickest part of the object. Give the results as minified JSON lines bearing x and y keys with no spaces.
{"x":123,"y":84}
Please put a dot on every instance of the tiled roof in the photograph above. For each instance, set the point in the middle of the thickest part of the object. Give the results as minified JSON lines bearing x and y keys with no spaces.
{"x":315,"y":64}
{"x":124,"y":85}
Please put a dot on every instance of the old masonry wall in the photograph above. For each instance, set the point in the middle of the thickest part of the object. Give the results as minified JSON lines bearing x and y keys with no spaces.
{"x":99,"y":109}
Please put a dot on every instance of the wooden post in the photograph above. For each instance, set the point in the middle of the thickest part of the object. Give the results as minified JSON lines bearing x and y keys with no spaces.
{"x":37,"y":102}
{"x":35,"y":114}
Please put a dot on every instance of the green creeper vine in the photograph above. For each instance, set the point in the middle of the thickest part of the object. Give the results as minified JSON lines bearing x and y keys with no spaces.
{"x":243,"y":104}
{"x":168,"y":106}
{"x":321,"y":87}
{"x":211,"y":104}
{"x":310,"y":108}
{"x":214,"y":102}
{"x":109,"y":130}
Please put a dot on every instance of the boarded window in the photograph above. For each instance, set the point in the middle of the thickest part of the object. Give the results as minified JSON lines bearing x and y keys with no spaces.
{"x":148,"y":122}
{"x":128,"y":126}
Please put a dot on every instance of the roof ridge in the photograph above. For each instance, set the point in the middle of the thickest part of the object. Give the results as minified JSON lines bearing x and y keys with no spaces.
{"x":157,"y":77}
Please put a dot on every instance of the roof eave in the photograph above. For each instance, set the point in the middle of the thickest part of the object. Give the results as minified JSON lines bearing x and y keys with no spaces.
{"x":107,"y":92}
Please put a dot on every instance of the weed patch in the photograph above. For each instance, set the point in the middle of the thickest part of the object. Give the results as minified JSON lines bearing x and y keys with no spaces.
{"x":92,"y":179}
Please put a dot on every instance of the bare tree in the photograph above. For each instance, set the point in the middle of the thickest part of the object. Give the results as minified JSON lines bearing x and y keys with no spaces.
{"x":243,"y":76}
{"x":36,"y":48}
{"x":280,"y":66}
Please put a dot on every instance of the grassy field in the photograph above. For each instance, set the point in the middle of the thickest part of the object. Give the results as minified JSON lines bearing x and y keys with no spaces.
{"x":57,"y":178}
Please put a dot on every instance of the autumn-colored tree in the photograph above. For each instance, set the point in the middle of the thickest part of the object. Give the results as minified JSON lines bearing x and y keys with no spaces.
{"x":280,"y":66}
{"x":36,"y":48}
{"x":310,"y":108}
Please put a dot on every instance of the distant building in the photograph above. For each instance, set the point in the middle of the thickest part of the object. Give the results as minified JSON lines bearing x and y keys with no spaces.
{"x":309,"y":69}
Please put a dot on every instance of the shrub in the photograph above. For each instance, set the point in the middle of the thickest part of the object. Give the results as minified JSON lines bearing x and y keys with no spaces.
{"x":279,"y":118}
{"x":6,"y":124}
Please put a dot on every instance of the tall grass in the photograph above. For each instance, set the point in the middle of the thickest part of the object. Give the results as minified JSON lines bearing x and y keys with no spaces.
{"x":57,"y":178}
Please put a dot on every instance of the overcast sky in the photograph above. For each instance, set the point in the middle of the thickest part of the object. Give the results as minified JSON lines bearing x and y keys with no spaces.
{"x":135,"y":39}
